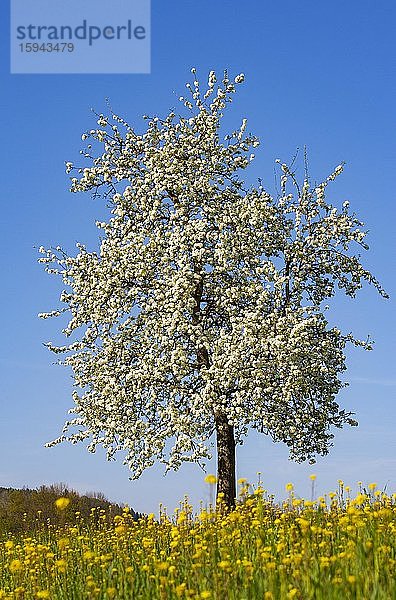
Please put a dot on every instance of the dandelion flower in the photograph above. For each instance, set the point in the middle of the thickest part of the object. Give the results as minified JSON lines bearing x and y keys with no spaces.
{"x":15,"y":565}
{"x":62,"y":503}
{"x":211,"y":479}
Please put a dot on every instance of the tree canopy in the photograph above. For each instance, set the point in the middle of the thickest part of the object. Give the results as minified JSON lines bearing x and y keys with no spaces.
{"x":202,"y":312}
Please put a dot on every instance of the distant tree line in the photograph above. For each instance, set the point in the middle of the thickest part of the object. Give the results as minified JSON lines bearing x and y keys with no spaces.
{"x":28,"y":509}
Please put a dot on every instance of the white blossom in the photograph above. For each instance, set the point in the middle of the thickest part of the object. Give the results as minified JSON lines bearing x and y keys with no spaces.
{"x":203,"y":298}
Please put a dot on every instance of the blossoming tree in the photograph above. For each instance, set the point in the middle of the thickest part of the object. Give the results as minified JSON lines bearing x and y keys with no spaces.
{"x":202,"y":311}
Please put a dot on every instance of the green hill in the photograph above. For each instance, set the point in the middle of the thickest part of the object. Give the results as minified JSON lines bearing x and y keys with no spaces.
{"x":26,"y":509}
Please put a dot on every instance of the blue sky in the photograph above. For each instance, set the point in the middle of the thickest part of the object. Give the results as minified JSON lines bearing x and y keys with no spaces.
{"x":317,"y":74}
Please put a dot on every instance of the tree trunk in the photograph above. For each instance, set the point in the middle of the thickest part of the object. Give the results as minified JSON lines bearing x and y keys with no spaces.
{"x":226,"y":484}
{"x":225,"y":439}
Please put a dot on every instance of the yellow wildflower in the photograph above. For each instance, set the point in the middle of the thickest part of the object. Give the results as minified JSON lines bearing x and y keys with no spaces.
{"x":15,"y":565}
{"x":62,"y":503}
{"x":211,"y":479}
{"x":180,"y":589}
{"x":120,"y":529}
{"x":63,"y":543}
{"x":61,"y":565}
